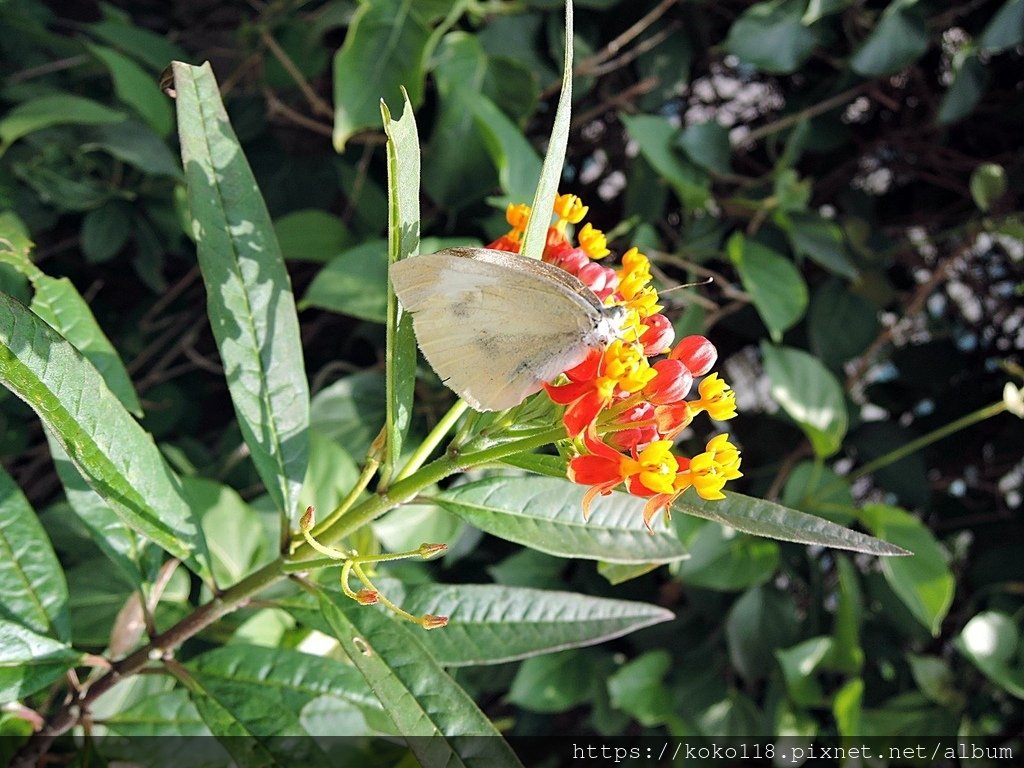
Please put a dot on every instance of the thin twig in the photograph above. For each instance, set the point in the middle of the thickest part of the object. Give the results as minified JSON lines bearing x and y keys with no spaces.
{"x":319,"y":106}
{"x":278,"y":107}
{"x":587,"y":66}
{"x":46,"y":69}
{"x":168,"y":296}
{"x":638,"y":50}
{"x":812,"y":111}
{"x":239,"y":72}
{"x":621,"y":99}
{"x":914,"y":306}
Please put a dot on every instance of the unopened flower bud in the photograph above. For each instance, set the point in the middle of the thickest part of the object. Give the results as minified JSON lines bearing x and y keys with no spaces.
{"x":307,"y":520}
{"x":367,"y":596}
{"x":429,"y":621}
{"x":429,"y":550}
{"x":659,"y":335}
{"x":696,"y":353}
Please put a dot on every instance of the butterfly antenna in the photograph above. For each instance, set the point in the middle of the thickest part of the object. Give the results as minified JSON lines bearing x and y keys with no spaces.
{"x":706,"y":281}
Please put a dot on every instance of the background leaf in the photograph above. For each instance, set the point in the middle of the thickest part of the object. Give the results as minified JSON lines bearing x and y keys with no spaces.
{"x":898,"y":39}
{"x":312,"y":235}
{"x":384,"y":51}
{"x":775,"y":286}
{"x":991,"y":641}
{"x":657,"y":139}
{"x":923,"y":581}
{"x":31,"y":578}
{"x":810,"y":394}
{"x":136,"y":88}
{"x":44,"y":111}
{"x":773,"y":36}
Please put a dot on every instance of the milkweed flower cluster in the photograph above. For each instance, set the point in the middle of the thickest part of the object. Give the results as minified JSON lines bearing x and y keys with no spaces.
{"x":623,"y":408}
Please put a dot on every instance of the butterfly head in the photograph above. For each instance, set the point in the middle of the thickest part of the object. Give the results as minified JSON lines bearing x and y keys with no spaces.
{"x":610,"y":326}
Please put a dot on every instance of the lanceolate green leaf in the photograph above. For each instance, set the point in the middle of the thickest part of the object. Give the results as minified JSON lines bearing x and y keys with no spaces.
{"x":116,"y":457}
{"x":60,"y":304}
{"x":491,"y":624}
{"x":515,"y":158}
{"x":251,"y":723}
{"x":31,"y":580}
{"x":296,"y":677}
{"x":546,"y":514}
{"x":416,"y":692}
{"x":384,"y":50}
{"x":55,"y":109}
{"x":136,"y":88}
{"x":109,"y":532}
{"x":249,"y":295}
{"x":551,"y":173}
{"x":403,"y":241}
{"x":765,"y":518}
{"x":29,"y":661}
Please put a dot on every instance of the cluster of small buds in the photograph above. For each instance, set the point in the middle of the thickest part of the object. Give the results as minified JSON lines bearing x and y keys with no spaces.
{"x":622,"y":410}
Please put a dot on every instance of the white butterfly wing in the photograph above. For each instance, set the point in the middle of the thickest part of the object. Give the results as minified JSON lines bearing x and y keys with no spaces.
{"x":493,"y":327}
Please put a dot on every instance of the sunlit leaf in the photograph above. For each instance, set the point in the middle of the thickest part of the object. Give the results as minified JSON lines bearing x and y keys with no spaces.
{"x":810,"y":394}
{"x":116,"y":457}
{"x":249,"y":296}
{"x":418,"y":696}
{"x":547,"y":515}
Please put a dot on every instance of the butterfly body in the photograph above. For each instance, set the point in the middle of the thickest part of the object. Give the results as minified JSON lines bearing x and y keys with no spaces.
{"x":495,"y":325}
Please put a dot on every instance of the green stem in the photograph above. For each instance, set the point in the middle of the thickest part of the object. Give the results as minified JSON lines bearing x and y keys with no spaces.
{"x":407,"y":489}
{"x":241,"y":593}
{"x":364,"y":480}
{"x":915,"y":445}
{"x":432,"y":440}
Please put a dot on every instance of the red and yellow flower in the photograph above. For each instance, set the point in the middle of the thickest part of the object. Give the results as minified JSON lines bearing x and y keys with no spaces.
{"x":622,"y":410}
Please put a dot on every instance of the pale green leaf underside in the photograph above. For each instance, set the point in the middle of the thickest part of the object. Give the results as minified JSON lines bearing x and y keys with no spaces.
{"x":546,"y":514}
{"x":551,"y":172}
{"x":403,"y":151}
{"x":491,"y":624}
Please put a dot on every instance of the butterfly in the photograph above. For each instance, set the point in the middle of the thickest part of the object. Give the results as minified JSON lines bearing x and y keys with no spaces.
{"x":495,"y":325}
